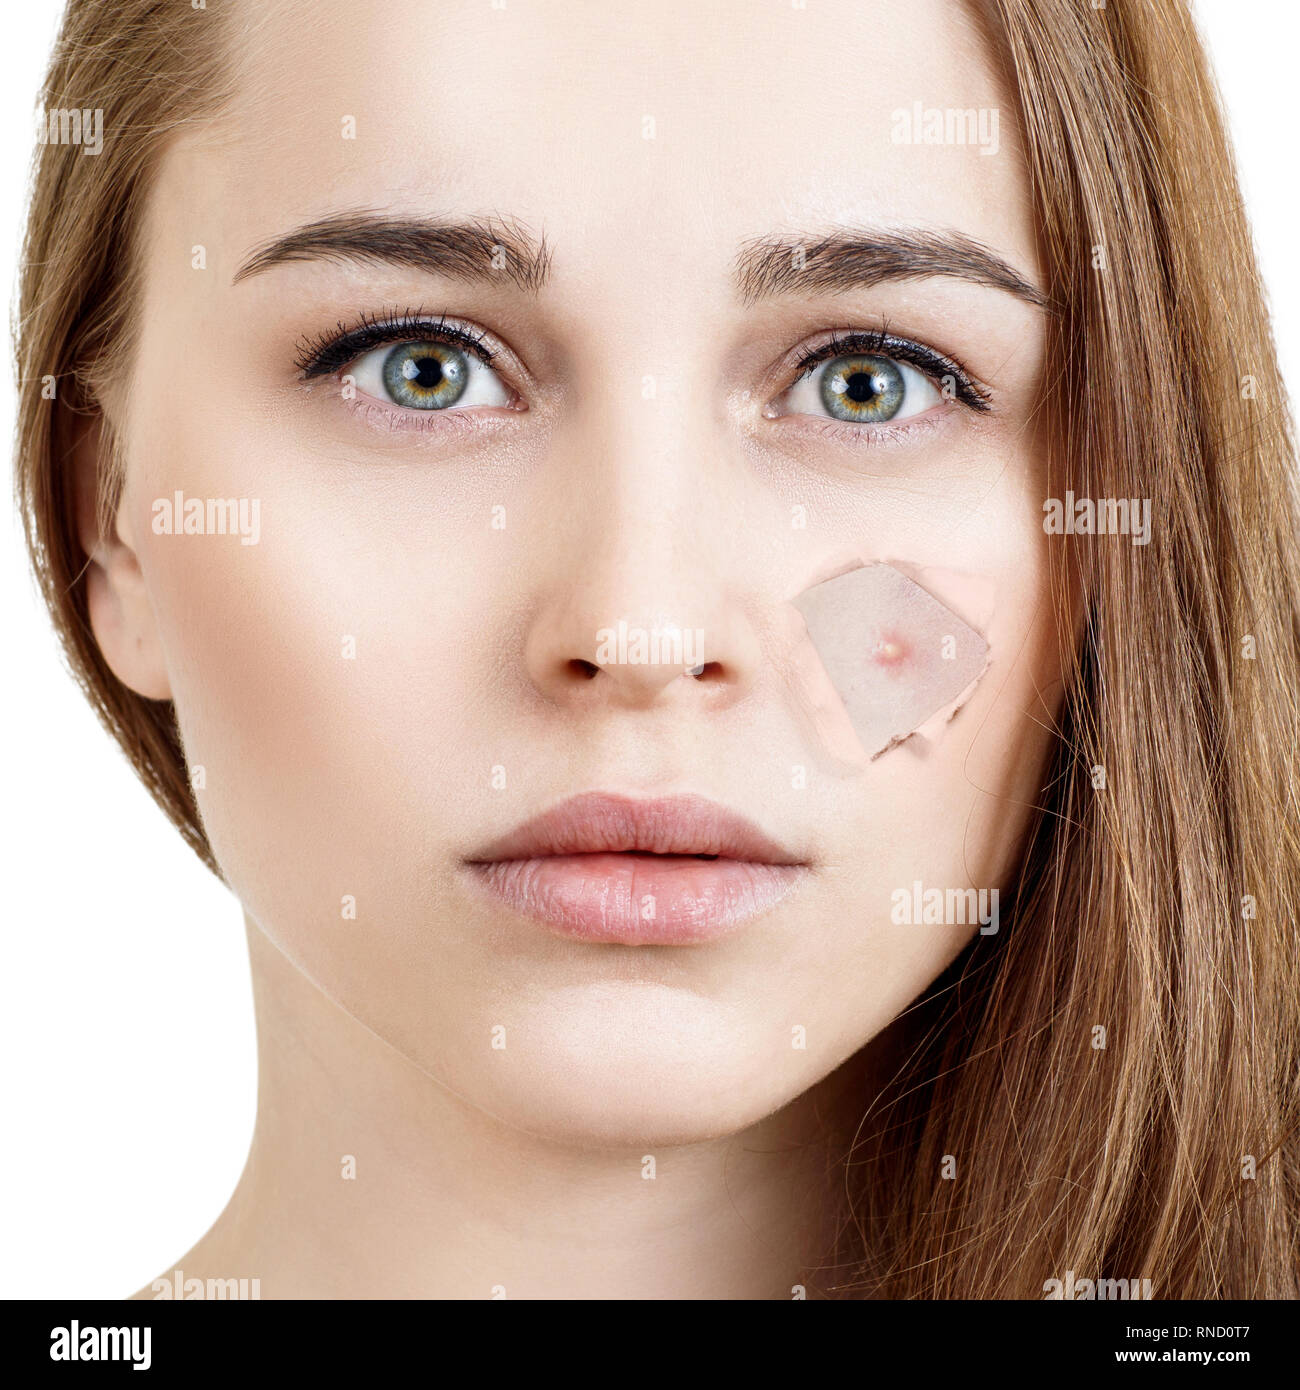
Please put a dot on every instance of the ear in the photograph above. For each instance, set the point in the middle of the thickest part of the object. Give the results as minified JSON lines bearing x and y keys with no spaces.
{"x":121,"y":614}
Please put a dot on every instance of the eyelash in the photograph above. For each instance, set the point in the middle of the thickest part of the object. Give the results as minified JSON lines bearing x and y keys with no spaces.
{"x":884,"y":344}
{"x":332,"y":350}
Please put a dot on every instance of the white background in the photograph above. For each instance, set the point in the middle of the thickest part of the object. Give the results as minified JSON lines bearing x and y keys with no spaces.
{"x":127,"y":1069}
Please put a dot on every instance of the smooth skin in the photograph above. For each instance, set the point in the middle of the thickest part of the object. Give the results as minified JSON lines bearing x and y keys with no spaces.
{"x":646,"y":473}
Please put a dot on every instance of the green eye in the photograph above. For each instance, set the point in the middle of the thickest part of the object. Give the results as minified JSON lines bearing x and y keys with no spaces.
{"x":862,"y":389}
{"x":425,"y":376}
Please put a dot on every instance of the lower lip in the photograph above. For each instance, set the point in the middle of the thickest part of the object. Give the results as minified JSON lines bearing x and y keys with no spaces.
{"x":639,"y":899}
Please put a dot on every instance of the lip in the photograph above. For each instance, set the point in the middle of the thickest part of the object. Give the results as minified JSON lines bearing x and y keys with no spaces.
{"x":617,"y":869}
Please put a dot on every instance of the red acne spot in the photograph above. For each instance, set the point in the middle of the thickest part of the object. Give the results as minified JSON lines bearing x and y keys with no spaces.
{"x":890,"y":651}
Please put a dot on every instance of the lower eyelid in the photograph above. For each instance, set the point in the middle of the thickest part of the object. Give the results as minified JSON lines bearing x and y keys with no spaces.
{"x":389,"y":418}
{"x":860,"y":435}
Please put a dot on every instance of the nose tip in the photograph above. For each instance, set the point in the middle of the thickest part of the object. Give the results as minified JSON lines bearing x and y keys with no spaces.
{"x":630,"y":664}
{"x":635,"y":665}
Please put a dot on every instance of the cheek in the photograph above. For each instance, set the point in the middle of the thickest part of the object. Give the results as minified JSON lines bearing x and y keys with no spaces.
{"x":321,"y":680}
{"x":320,"y":702}
{"x":313,"y":692}
{"x":262,"y":679}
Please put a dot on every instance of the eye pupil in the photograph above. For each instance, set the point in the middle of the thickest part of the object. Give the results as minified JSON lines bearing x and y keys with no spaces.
{"x":422,"y":371}
{"x":861,"y":387}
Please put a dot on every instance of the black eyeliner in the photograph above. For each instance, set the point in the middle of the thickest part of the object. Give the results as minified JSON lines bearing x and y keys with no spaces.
{"x":871,"y":341}
{"x":334,"y":350}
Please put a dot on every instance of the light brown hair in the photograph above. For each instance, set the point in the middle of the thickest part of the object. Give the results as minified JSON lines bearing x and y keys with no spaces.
{"x":1157,"y":904}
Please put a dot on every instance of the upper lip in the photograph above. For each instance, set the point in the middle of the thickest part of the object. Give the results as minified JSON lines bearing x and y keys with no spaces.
{"x":598,"y":822}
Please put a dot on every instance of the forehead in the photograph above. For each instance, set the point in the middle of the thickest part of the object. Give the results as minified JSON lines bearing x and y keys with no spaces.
{"x":660,"y":133}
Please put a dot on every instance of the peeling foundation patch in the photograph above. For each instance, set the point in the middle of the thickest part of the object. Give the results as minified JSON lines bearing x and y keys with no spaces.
{"x":902,"y":661}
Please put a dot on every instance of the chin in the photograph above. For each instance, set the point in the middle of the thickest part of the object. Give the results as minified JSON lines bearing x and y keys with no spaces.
{"x":613,"y":1065}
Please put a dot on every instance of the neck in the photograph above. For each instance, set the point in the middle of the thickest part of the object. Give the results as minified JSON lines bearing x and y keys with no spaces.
{"x":368,"y":1178}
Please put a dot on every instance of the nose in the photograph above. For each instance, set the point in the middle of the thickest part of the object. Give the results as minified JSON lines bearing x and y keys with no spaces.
{"x":639,"y":659}
{"x":648,"y":600}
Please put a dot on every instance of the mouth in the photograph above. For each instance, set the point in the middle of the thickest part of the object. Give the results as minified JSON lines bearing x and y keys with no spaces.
{"x":671,"y":871}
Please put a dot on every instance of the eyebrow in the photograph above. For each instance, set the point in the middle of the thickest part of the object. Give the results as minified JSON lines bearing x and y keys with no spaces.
{"x":483,"y":248}
{"x":767,"y":267}
{"x":476,"y":248}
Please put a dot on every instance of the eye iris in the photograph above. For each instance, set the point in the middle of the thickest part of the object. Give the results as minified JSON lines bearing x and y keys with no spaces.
{"x":426,"y":376}
{"x":862,"y":388}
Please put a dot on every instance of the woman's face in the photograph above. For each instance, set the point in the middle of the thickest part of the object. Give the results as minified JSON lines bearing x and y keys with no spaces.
{"x":407,"y":664}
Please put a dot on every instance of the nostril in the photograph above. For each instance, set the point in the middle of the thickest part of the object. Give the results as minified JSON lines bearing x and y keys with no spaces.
{"x":710,"y":671}
{"x":586,"y":669}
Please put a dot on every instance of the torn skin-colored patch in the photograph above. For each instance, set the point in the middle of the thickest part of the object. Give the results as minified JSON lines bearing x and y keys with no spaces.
{"x":900,"y":659}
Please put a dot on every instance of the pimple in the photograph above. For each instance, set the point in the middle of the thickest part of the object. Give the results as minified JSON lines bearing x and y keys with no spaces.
{"x":891,"y":651}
